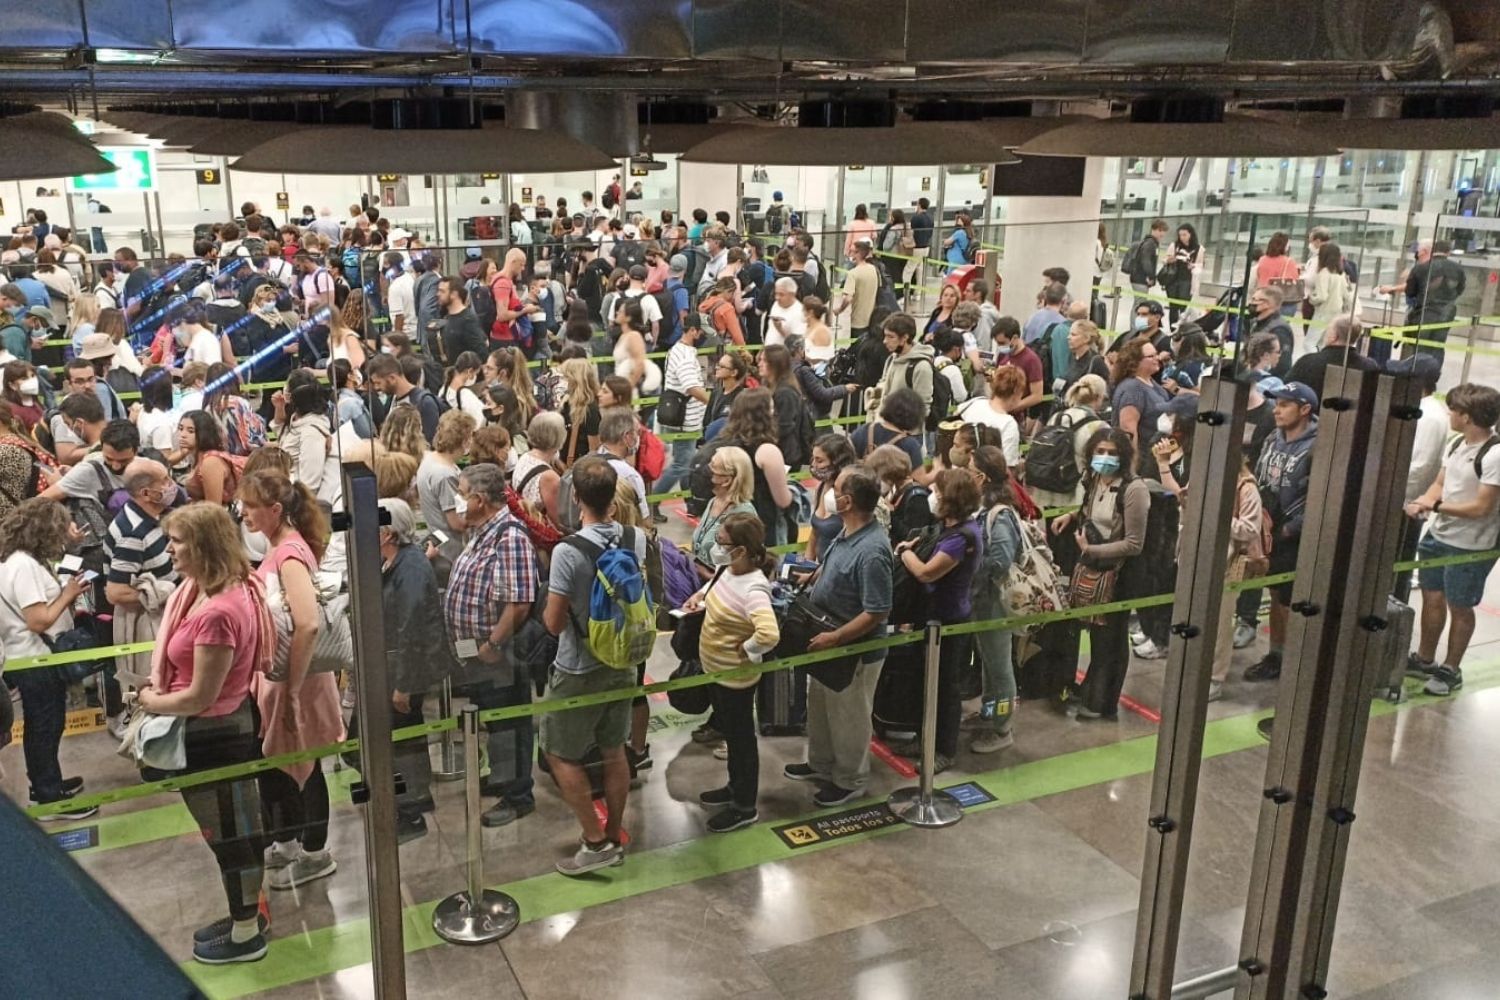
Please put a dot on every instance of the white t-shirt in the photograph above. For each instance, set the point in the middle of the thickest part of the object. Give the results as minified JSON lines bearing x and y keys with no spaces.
{"x":979,"y":411}
{"x":467,"y":400}
{"x":650,"y":308}
{"x":158,"y":429}
{"x":1460,"y":485}
{"x":1427,"y":452}
{"x":821,"y":352}
{"x":24,"y":582}
{"x":204,"y":347}
{"x":794,"y":322}
{"x":402,"y":300}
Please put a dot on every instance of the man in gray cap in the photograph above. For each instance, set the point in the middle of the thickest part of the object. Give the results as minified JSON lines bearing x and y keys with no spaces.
{"x":650,"y":308}
{"x":38,"y":322}
{"x":676,"y":288}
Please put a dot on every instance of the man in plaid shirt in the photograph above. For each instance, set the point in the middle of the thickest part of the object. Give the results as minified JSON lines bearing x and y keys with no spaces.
{"x":490,"y":592}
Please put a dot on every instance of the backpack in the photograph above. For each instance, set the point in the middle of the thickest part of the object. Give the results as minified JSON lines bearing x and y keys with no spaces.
{"x":942,"y":394}
{"x":483,"y":301}
{"x":629,"y":253}
{"x":697,"y":260}
{"x":671,"y":326}
{"x":92,"y":514}
{"x":773,"y":218}
{"x":650,"y":455}
{"x":1484,"y":450}
{"x":1258,"y":553}
{"x":885,"y":292}
{"x":1043,"y":349}
{"x":971,"y":250}
{"x":621,"y":627}
{"x":700,"y":480}
{"x":1051,"y":462}
{"x":1033,"y":584}
{"x":41,"y":433}
{"x":821,"y":287}
{"x":804,"y":430}
{"x":910,"y":600}
{"x":34,"y":482}
{"x":608,"y":198}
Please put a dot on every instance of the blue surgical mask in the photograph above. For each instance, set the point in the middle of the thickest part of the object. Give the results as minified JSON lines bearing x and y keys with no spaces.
{"x":1105,"y":465}
{"x":1139,"y":323}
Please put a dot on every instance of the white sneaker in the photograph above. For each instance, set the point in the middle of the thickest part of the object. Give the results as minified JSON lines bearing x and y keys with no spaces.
{"x":279,"y":856}
{"x":590,"y":859}
{"x":347,"y":700}
{"x":1148,"y":650}
{"x":115,"y":725}
{"x":309,"y":867}
{"x":1244,"y":635}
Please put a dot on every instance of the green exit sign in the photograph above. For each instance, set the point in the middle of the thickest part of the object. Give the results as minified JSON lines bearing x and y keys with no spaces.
{"x":135,"y":171}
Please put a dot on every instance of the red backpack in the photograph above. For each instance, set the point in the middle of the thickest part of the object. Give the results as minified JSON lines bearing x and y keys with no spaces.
{"x":650,"y":455}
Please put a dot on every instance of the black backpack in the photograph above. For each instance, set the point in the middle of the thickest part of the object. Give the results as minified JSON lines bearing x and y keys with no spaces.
{"x":885,"y":292}
{"x":805,"y":431}
{"x":942,"y":393}
{"x":910,"y":600}
{"x":671,"y":323}
{"x":483,"y":301}
{"x":821,"y":287}
{"x":700,"y":479}
{"x":1051,"y":462}
{"x":697,"y":258}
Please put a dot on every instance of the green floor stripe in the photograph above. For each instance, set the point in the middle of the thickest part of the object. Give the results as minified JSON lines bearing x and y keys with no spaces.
{"x":325,"y":951}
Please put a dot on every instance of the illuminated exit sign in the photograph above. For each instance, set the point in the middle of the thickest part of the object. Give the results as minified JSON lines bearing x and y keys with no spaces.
{"x":136,"y":171}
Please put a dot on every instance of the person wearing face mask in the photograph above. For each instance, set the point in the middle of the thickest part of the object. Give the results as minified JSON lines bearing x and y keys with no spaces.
{"x":349,"y":403}
{"x":1145,"y":325}
{"x":1165,"y":471}
{"x":619,"y":437}
{"x":257,"y":338}
{"x":739,"y":627}
{"x":1110,"y":531}
{"x":418,"y":656}
{"x":831,"y":454}
{"x":1001,"y":529}
{"x":196,"y":341}
{"x":1137,"y":399}
{"x":459,"y":392}
{"x":733,"y":485}
{"x":906,"y":506}
{"x":947,"y":573}
{"x":22,"y":391}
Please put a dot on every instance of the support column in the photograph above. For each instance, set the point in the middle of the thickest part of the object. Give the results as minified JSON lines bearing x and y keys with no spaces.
{"x":1050,"y":232}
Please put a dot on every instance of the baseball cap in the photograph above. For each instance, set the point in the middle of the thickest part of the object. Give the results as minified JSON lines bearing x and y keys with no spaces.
{"x":632,"y":232}
{"x":472,"y":253}
{"x":97,"y":345}
{"x":42,"y":313}
{"x":399,"y":234}
{"x":1298,"y":391}
{"x":638,"y":273}
{"x":678,"y":264}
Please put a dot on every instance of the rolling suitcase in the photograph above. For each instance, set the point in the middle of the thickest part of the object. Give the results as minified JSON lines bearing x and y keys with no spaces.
{"x":781,"y":703}
{"x":1393,"y":645}
{"x":898,"y":693}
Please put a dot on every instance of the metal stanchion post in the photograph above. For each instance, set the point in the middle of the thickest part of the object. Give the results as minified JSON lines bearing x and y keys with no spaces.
{"x":475,"y":915}
{"x":922,"y":806}
{"x":449,"y":768}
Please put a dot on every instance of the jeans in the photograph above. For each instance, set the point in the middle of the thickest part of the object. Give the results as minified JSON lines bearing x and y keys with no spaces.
{"x":679,"y":458}
{"x":510,"y":742}
{"x":839,"y":728}
{"x":44,"y":705}
{"x":734,"y":716}
{"x":1247,"y":607}
{"x":995,"y":657}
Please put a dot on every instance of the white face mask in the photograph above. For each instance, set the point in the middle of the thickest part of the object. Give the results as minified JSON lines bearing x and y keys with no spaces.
{"x":460,"y":505}
{"x":719,"y":555}
{"x":932,"y":503}
{"x":29,"y":386}
{"x":387,"y":349}
{"x":1164,"y":423}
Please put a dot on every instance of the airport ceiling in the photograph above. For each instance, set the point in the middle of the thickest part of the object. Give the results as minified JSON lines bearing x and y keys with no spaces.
{"x":759,"y":57}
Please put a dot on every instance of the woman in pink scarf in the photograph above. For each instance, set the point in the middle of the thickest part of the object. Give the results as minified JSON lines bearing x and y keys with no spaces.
{"x":298,"y":710}
{"x":216,"y":639}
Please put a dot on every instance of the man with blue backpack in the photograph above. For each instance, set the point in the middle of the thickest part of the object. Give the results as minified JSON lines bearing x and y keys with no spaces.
{"x":600,"y":610}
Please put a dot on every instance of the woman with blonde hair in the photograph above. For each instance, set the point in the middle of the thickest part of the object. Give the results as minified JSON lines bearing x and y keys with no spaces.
{"x":112,"y":322}
{"x":1007,"y":388}
{"x":507,"y":365}
{"x":83,"y":319}
{"x":582,"y":414}
{"x":214,"y":646}
{"x":733,"y":478}
{"x":535,"y":477}
{"x":354,"y":315}
{"x":402,"y":431}
{"x":298,"y":709}
{"x":345,"y":342}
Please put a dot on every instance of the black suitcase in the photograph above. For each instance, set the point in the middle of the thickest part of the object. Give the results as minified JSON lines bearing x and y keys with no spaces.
{"x":1047,"y":661}
{"x":898,"y":693}
{"x":781,"y":702}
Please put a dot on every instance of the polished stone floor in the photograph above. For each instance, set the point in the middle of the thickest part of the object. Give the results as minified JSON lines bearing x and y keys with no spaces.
{"x":1030,"y":897}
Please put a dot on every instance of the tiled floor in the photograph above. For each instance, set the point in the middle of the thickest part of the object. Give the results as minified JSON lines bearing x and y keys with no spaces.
{"x":1031,"y":899}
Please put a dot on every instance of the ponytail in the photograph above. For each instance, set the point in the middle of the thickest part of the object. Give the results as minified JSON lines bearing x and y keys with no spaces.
{"x":298,"y":505}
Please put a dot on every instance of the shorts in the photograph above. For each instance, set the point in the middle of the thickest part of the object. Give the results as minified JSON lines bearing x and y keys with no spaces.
{"x":1283,"y":560}
{"x":1461,"y":585}
{"x":573,"y":733}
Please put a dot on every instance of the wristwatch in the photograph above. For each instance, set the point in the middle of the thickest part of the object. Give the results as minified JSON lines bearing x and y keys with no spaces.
{"x":1437,"y":505}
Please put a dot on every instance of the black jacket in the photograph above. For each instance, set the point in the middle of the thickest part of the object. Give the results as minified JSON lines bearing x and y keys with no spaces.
{"x":416,"y":640}
{"x":817,"y":392}
{"x":1312,"y":369}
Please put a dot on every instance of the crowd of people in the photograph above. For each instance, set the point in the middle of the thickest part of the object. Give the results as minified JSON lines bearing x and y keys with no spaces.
{"x":533,"y":419}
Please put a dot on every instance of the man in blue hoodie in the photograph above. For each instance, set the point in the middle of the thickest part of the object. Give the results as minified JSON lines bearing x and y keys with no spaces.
{"x":1283,"y":472}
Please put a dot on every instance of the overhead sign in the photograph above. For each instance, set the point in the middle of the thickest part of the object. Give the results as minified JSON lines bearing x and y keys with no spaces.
{"x":526,"y":196}
{"x":387,"y":178}
{"x":209,"y":175}
{"x":283,"y":201}
{"x":489,"y":177}
{"x":136,"y":171}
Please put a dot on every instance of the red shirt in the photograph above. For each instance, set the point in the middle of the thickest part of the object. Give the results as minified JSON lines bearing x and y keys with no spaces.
{"x":504,"y":291}
{"x":226,"y":619}
{"x":1025,"y":359}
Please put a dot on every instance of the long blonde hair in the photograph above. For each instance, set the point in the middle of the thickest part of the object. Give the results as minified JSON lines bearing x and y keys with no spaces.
{"x":215,"y":550}
{"x":402,"y":431}
{"x":85,"y":309}
{"x":583,"y":386}
{"x":511,"y":364}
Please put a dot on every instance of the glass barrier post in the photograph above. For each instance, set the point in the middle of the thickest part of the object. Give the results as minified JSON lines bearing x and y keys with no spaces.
{"x":474,"y":915}
{"x":1198,"y":613}
{"x":922,"y":806}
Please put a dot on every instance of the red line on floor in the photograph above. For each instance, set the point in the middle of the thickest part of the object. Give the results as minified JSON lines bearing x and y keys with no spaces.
{"x":1489,"y":610}
{"x":1128,"y":703}
{"x":603,"y":814}
{"x":894,"y":761}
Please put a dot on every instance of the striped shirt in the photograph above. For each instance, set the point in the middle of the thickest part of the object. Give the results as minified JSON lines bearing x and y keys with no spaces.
{"x":497,"y":567}
{"x":684,"y":373}
{"x":136,"y":546}
{"x":739,"y":624}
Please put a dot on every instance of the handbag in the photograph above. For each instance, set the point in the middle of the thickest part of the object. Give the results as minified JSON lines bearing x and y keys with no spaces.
{"x":803,"y":620}
{"x":671,"y":408}
{"x":1290,"y":286}
{"x":690,"y":700}
{"x":908,"y":240}
{"x":334,"y":647}
{"x":71,"y":641}
{"x":1033,"y":584}
{"x":1090,"y":586}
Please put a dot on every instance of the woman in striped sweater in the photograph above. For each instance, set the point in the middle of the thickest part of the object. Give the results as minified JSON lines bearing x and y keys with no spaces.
{"x":739,"y":627}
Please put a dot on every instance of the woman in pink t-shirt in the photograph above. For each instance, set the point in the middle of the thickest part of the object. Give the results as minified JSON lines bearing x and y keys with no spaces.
{"x":299,"y":710}
{"x":216,"y":637}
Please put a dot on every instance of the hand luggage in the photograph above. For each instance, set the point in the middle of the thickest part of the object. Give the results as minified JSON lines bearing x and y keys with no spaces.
{"x":1391,"y":646}
{"x":898,"y":693}
{"x":781,"y":703}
